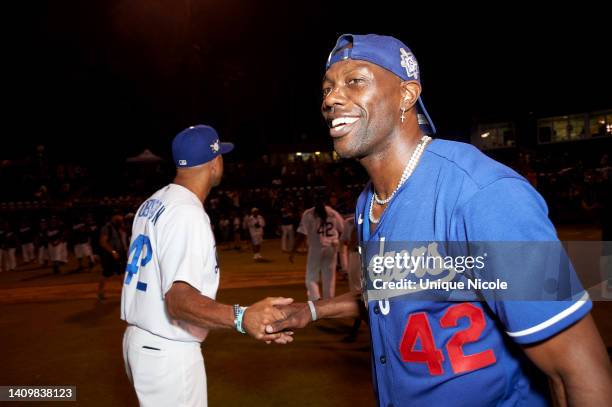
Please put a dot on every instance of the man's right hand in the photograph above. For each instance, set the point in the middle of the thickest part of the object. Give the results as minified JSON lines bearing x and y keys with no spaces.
{"x":263,"y":313}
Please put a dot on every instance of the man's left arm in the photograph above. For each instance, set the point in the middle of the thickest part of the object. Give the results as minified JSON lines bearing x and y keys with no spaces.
{"x":347,"y":305}
{"x":560,"y":337}
{"x":577,"y":365}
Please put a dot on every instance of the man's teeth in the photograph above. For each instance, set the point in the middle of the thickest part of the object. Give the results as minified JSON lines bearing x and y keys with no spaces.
{"x":343,"y":120}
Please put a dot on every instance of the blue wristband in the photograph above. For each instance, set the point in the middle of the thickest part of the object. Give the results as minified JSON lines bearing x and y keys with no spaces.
{"x":238,"y":315}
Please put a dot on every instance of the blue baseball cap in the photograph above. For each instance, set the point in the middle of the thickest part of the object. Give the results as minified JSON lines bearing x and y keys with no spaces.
{"x":386,"y":52}
{"x":197,"y":145}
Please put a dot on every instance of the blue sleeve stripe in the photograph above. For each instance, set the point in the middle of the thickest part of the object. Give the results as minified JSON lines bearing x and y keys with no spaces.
{"x":552,"y":321}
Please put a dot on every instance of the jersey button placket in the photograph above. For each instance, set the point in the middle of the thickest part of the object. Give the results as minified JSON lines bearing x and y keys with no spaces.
{"x":376,"y":309}
{"x":383,"y":359}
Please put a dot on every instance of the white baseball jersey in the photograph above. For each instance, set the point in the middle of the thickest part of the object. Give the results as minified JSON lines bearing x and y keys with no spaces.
{"x":256,"y":225}
{"x":172,"y":240}
{"x":321,"y":234}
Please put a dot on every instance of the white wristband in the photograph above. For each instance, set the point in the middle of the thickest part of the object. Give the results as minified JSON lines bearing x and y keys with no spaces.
{"x":313,"y":311}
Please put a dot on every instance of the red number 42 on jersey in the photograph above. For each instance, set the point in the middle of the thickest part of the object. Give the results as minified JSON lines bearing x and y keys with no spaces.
{"x":418,"y":328}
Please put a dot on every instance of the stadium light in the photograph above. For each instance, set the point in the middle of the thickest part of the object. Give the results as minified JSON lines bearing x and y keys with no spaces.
{"x":485,"y":135}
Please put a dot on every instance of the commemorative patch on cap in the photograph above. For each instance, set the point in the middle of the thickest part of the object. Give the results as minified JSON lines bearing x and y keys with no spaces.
{"x":409,"y":62}
{"x":215,"y":146}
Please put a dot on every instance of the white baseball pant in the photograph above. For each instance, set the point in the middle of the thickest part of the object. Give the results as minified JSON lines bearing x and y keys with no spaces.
{"x":321,"y":265}
{"x":27,"y":252}
{"x":164,"y":372}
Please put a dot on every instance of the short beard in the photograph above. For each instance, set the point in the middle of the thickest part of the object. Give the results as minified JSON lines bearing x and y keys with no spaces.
{"x":358,"y":148}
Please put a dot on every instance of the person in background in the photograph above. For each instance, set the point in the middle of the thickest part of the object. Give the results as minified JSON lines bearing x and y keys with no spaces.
{"x":55,"y":237}
{"x":112,"y":252}
{"x":26,"y":239}
{"x":236,"y":231}
{"x":93,"y":231}
{"x":42,"y":242}
{"x":3,"y":251}
{"x":287,"y":232}
{"x":256,"y":224}
{"x":224,"y":228}
{"x":322,"y":227}
{"x":2,"y":236}
{"x":10,"y":247}
{"x":82,"y":245}
{"x":64,"y":242}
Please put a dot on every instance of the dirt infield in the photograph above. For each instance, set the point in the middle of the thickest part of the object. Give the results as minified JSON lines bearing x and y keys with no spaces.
{"x":54,"y":332}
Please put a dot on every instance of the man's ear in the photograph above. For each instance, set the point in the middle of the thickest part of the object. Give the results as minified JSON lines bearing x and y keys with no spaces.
{"x":411,"y":90}
{"x":215,"y":165}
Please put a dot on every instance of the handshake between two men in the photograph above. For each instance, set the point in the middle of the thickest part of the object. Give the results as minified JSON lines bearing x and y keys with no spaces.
{"x":274,"y":319}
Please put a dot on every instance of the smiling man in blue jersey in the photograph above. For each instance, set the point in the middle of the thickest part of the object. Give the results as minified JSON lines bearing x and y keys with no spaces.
{"x":428,"y":352}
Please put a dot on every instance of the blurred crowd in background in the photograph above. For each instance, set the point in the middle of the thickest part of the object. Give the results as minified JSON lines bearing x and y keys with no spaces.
{"x":45,"y":202}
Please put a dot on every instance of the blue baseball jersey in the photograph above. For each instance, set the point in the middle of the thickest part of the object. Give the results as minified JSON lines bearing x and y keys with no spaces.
{"x":433,"y":353}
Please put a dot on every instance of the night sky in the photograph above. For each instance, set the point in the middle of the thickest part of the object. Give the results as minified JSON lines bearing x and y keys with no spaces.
{"x":97,"y":80}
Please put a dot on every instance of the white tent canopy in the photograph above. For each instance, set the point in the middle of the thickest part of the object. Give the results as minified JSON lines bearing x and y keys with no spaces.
{"x":145,"y":157}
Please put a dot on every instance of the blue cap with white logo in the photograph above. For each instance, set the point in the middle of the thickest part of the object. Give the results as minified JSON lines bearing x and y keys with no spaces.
{"x":197,"y":145}
{"x":386,"y":52}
